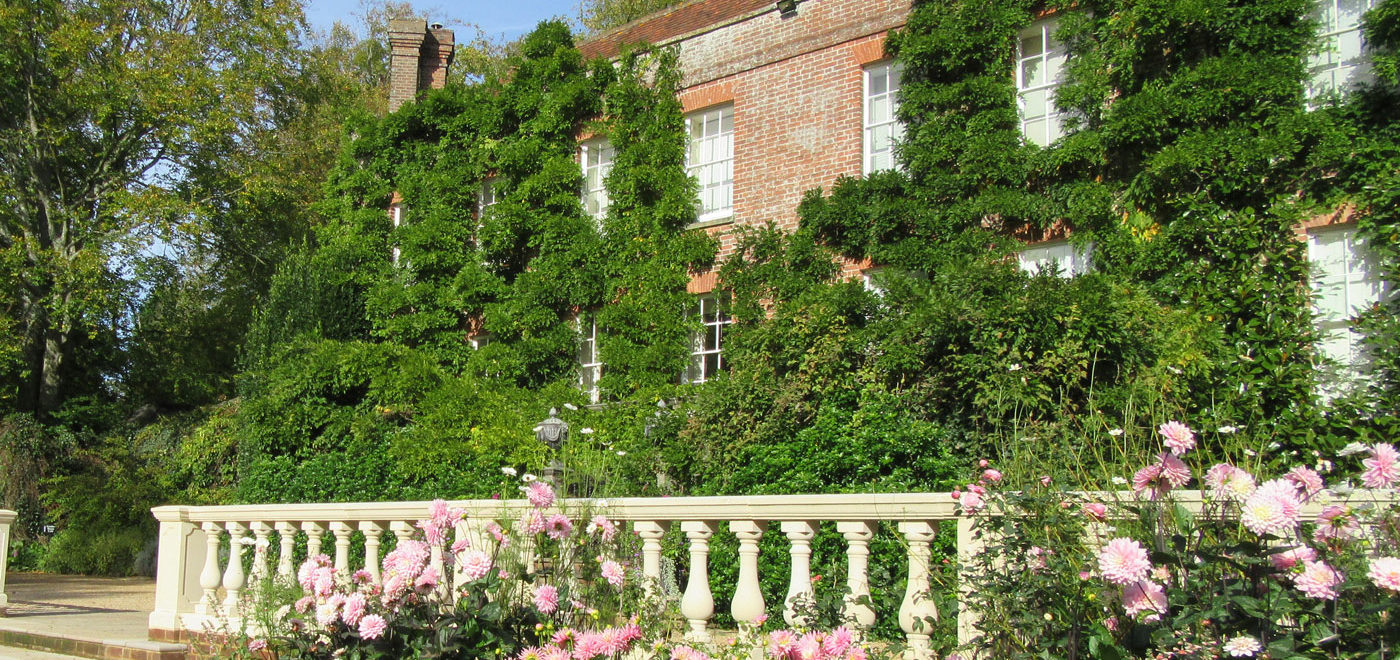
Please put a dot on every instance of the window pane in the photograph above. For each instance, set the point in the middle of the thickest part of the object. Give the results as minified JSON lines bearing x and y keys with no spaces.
{"x":1031,"y":44}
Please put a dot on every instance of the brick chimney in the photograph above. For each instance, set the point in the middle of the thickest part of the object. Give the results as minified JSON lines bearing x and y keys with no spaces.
{"x":418,"y":59}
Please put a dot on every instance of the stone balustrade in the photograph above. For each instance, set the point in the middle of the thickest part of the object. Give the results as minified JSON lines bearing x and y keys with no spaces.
{"x":196,"y":589}
{"x":197,"y":586}
{"x":7,"y":518}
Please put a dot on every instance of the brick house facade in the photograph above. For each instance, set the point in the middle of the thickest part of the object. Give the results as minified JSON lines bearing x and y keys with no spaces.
{"x":782,"y":98}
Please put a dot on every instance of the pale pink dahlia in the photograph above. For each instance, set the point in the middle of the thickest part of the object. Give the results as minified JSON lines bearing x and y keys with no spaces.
{"x":1305,"y":479}
{"x":475,"y":564}
{"x":1337,"y":523}
{"x":613,"y":573}
{"x":532,"y":522}
{"x":558,"y":526}
{"x":1287,"y":559}
{"x":1149,"y":478}
{"x":540,"y":494}
{"x":1160,"y":477}
{"x":372,"y":626}
{"x":601,"y":525}
{"x":781,"y":643}
{"x":1229,"y":482}
{"x":1385,"y":573}
{"x":1243,"y":646}
{"x":809,"y":647}
{"x":687,"y":653}
{"x":1145,"y":596}
{"x":547,"y":599}
{"x":1382,"y":468}
{"x":1124,"y":561}
{"x":1178,"y":437}
{"x":1319,"y":580}
{"x":1272,"y":508}
{"x":354,"y":609}
{"x":427,"y":580}
{"x":837,"y":642}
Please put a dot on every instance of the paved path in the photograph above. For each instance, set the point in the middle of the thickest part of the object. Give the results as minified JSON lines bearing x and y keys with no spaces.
{"x":110,"y":611}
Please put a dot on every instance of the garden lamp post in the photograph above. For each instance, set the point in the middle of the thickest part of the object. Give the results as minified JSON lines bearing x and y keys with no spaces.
{"x":553,"y":432}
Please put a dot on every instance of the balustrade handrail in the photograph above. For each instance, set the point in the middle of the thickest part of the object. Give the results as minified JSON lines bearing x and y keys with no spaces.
{"x":833,"y":507}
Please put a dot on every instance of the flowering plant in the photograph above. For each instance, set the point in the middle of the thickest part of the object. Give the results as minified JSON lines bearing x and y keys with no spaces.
{"x":1239,"y":566}
{"x":546,"y":585}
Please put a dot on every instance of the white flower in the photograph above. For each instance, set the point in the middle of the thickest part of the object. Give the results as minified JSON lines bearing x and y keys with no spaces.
{"x":247,"y":540}
{"x":508,"y":471}
{"x":1120,"y":481}
{"x":621,"y":453}
{"x":1227,"y":429}
{"x":571,"y":406}
{"x":602,"y":503}
{"x":1115,"y":432}
{"x":528,"y":478}
{"x":586,"y":431}
{"x":1273,"y":446}
{"x":1014,"y":367}
{"x":1243,"y":646}
{"x":1323,"y":465}
{"x":1353,"y":448}
{"x":1250,"y":452}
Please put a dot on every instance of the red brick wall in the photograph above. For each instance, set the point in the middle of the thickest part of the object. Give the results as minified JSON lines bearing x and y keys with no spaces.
{"x":797,"y":90}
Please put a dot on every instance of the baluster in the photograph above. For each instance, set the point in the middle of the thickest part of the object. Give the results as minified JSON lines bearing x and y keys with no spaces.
{"x":799,"y":534}
{"x":651,"y":532}
{"x":403,"y":531}
{"x":747,"y":605}
{"x":234,"y":578}
{"x":372,"y":531}
{"x":970,"y":544}
{"x":261,"y":545}
{"x":288,"y":532}
{"x":342,"y":533}
{"x":209,"y":578}
{"x":698,"y":604}
{"x":858,"y":615}
{"x":918,"y":608}
{"x":314,"y":532}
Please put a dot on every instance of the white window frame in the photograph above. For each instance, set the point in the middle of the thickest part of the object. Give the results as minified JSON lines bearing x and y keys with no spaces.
{"x":877,"y":158}
{"x":714,"y":318}
{"x":1069,"y":259}
{"x":595,"y":174}
{"x":714,"y":171}
{"x":1329,"y":64}
{"x":396,"y":217}
{"x":1346,"y":286}
{"x":590,"y":362}
{"x":487,"y":196}
{"x":1051,"y":52}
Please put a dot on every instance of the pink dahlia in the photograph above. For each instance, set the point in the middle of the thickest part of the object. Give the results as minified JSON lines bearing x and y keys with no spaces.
{"x":781,"y":643}
{"x":601,"y":525}
{"x":1145,"y":596}
{"x":427,"y":580}
{"x":1337,"y":523}
{"x":1287,"y":559}
{"x":532,"y":522}
{"x":257,"y":645}
{"x":1149,"y":477}
{"x":687,"y":653}
{"x":1319,"y":580}
{"x":540,"y":494}
{"x":809,"y":647}
{"x":1124,"y":561}
{"x":558,"y":526}
{"x":1272,"y":508}
{"x":1229,"y":482}
{"x":373,"y":626}
{"x":459,"y":545}
{"x":837,"y":642}
{"x":1178,"y":437}
{"x":1382,"y":468}
{"x":547,"y":599}
{"x":613,"y":573}
{"x":353,"y":610}
{"x":1305,"y":479}
{"x":407,"y":559}
{"x":1385,"y":573}
{"x":475,"y":565}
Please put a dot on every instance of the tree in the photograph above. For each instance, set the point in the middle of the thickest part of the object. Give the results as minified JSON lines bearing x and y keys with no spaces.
{"x":106,"y":106}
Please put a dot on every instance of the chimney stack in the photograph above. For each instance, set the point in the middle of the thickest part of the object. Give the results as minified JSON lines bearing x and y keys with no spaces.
{"x":418,"y":59}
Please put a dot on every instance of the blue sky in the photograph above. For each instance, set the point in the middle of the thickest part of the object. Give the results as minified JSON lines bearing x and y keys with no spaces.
{"x":508,"y":18}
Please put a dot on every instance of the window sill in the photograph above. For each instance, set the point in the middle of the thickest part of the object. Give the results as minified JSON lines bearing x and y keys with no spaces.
{"x":712,"y":222}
